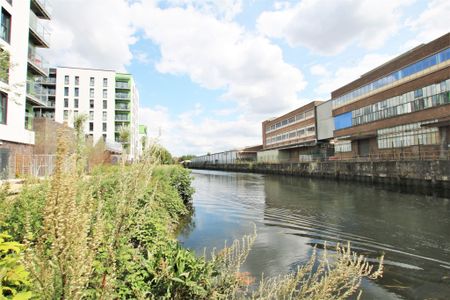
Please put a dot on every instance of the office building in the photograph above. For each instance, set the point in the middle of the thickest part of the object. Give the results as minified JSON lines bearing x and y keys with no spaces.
{"x":401,"y":107}
{"x":23,"y":32}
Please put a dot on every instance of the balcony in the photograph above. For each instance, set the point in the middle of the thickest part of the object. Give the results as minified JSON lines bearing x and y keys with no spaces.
{"x":123,"y":96}
{"x":39,"y":35}
{"x":36,"y":63}
{"x":122,"y":118}
{"x":41,"y":8}
{"x":47,"y":80}
{"x":36,"y":93}
{"x":122,"y":107}
{"x":122,"y":85}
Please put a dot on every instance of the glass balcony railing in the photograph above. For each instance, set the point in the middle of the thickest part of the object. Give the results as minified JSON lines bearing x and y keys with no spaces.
{"x":36,"y":92}
{"x":122,"y":85}
{"x":43,"y":7}
{"x":125,"y":118}
{"x":122,"y":96}
{"x":47,"y":80}
{"x":38,"y":62}
{"x":122,"y":107}
{"x":43,"y":35}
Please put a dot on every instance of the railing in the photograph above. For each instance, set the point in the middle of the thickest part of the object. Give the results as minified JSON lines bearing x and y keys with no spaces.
{"x":397,"y":155}
{"x":122,"y":118}
{"x":35,"y":165}
{"x":122,"y":85}
{"x":37,"y":91}
{"x":38,"y":28}
{"x":47,"y":80}
{"x":38,"y":61}
{"x":44,"y":4}
{"x":122,"y":96}
{"x":122,"y":107}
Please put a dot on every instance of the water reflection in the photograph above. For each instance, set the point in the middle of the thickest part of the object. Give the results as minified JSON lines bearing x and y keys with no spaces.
{"x":292,"y":214}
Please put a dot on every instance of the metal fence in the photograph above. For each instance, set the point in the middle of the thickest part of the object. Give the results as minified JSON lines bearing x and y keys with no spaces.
{"x":34,"y":165}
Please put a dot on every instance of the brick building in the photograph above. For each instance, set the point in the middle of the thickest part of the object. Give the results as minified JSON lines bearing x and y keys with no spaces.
{"x":401,"y":107}
{"x":291,"y":137}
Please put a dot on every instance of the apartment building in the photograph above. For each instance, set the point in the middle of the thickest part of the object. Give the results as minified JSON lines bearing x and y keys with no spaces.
{"x":291,"y":137}
{"x":110,"y":101}
{"x":403,"y":106}
{"x":23,"y":32}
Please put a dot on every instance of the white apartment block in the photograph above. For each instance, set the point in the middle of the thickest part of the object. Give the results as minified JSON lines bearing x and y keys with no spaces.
{"x":110,"y":100}
{"x":22,"y":32}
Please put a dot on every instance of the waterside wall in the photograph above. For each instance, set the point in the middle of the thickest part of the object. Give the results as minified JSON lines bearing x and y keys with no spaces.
{"x":430,"y":173}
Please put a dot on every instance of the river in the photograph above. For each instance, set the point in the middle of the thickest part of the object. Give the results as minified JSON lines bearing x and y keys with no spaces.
{"x":293,"y":214}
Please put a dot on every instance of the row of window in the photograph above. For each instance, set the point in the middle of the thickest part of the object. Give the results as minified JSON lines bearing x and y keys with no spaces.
{"x":393,"y":77}
{"x":91,"y":118}
{"x":77,"y":81}
{"x":76,"y":92}
{"x":407,"y":135}
{"x":294,"y":134}
{"x":426,"y":97}
{"x":297,"y":118}
{"x":91,"y":103}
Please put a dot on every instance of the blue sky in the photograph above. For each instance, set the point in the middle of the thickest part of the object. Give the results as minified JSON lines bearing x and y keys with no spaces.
{"x":210,"y":71}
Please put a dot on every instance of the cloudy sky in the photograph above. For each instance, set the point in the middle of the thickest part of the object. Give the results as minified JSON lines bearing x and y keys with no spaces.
{"x":210,"y":71}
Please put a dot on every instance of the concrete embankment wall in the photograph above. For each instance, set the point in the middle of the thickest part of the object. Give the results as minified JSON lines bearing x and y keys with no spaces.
{"x":433,"y":174}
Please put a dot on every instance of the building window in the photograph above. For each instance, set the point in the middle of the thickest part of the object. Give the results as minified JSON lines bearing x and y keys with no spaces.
{"x":66,"y":91}
{"x":343,"y":146}
{"x":66,"y":79}
{"x":66,"y":115}
{"x":91,"y":116}
{"x":6,"y":26}
{"x":407,"y":135}
{"x":105,"y":104}
{"x":105,"y":82}
{"x":104,"y":137}
{"x":105,"y":93}
{"x":91,"y":103}
{"x":92,"y":81}
{"x":77,"y":92}
{"x":105,"y":116}
{"x":75,"y":103}
{"x":77,"y":80}
{"x":3,"y":107}
{"x":91,"y":93}
{"x":91,"y":126}
{"x":66,"y":102}
{"x":75,"y":114}
{"x":104,"y":127}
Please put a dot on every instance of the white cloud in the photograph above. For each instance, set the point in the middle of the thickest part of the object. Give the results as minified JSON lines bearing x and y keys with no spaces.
{"x":194,"y":133}
{"x":328,"y":27}
{"x":218,"y":54}
{"x":433,"y":22}
{"x":222,"y":9}
{"x":319,"y":70}
{"x":98,"y":35}
{"x":345,"y":75}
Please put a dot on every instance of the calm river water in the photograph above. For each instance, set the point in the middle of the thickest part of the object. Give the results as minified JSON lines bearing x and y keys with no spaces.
{"x":292,"y":214}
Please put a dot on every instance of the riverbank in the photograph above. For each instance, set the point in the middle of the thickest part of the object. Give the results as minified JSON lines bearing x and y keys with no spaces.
{"x":425,"y":174}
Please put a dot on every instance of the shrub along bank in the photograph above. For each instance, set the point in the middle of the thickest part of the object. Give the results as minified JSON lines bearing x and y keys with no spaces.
{"x":110,"y":235}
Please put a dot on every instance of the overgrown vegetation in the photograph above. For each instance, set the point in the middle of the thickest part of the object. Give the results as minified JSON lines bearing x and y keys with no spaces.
{"x":110,"y":234}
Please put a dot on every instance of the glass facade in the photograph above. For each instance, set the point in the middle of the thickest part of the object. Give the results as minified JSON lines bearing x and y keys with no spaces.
{"x":292,"y":135}
{"x":292,"y":120}
{"x":407,"y":135}
{"x":426,"y":97}
{"x":393,"y":77}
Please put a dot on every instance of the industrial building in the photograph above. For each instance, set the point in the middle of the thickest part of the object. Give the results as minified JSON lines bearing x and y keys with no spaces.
{"x":291,"y":137}
{"x":400,"y":109}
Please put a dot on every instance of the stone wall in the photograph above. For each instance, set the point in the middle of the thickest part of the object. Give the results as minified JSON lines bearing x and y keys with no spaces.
{"x":432,"y":173}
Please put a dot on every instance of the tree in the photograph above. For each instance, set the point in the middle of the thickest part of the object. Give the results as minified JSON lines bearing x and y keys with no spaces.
{"x":124,"y":137}
{"x":161,"y":154}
